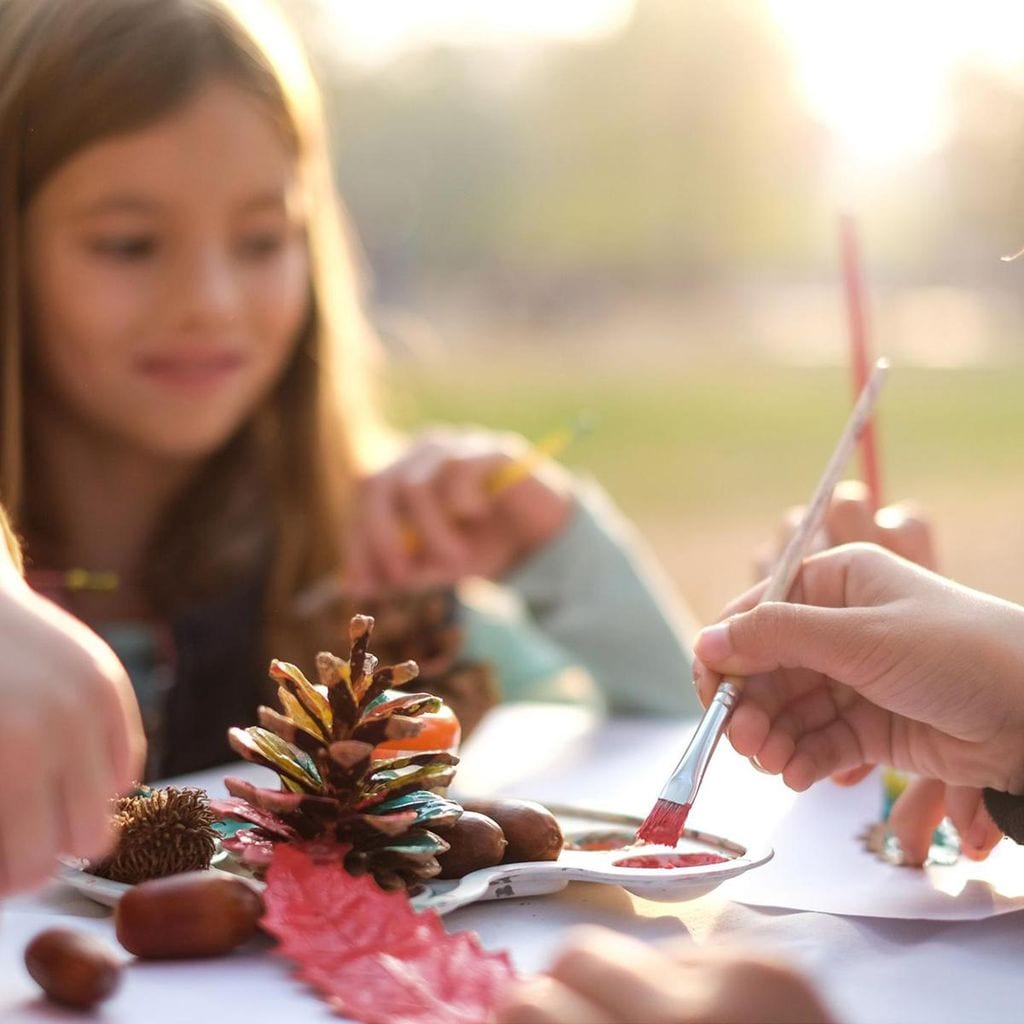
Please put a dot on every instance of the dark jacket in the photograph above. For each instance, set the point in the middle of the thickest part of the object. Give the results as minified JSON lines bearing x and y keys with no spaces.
{"x":220,"y":679}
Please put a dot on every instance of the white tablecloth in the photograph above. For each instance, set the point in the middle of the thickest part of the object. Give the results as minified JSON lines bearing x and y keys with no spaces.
{"x":871,"y":969}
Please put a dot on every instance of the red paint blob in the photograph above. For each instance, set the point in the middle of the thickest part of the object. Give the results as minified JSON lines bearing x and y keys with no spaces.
{"x":671,"y":860}
{"x":664,"y":825}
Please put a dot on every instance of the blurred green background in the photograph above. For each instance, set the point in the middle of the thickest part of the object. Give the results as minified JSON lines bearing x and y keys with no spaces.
{"x":631,"y":208}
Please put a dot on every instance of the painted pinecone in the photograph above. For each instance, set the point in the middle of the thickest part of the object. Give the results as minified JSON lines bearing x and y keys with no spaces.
{"x":377,"y":814}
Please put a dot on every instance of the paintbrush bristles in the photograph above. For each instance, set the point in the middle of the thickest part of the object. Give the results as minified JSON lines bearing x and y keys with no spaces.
{"x":664,"y":825}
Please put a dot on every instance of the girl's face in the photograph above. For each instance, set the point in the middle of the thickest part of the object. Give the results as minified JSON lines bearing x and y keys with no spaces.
{"x":167,"y":277}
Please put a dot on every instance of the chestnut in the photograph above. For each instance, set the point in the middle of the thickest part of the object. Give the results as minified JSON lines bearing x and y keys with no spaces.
{"x":196,"y":914}
{"x":475,"y":842}
{"x":532,"y":831}
{"x":73,"y":968}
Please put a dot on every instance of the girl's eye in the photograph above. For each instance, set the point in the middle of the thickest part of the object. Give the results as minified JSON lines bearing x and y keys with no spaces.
{"x":261,"y":246}
{"x":127,"y":247}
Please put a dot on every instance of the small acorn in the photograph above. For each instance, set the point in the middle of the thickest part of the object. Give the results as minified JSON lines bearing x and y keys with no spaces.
{"x":197,"y":914}
{"x":73,"y":968}
{"x":475,"y":842}
{"x":532,"y":831}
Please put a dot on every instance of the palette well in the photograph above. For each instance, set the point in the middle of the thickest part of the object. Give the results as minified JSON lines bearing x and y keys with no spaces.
{"x":599,"y":848}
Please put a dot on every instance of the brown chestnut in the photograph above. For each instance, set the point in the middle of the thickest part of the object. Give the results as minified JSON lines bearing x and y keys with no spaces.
{"x":73,"y":968}
{"x":476,"y":842}
{"x":196,"y":914}
{"x":532,"y":831}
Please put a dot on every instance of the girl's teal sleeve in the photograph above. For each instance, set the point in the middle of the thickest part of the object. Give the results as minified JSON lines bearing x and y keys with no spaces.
{"x":594,"y":598}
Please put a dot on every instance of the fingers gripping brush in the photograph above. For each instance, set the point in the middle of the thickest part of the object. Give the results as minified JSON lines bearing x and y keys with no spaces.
{"x":665,"y":823}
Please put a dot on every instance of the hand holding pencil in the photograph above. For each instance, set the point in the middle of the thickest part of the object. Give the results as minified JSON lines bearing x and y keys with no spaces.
{"x":852,"y":517}
{"x":858,"y":512}
{"x":457,"y":503}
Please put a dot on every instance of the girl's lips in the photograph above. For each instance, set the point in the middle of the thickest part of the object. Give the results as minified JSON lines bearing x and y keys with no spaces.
{"x":191,"y":370}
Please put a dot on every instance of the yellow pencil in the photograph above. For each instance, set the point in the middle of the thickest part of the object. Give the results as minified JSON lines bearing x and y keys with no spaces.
{"x":548,"y":447}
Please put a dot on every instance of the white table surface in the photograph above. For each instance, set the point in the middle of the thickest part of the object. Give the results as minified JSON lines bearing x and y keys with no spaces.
{"x":870,"y":969}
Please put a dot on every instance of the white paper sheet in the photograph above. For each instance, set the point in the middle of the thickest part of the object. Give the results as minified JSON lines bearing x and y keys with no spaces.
{"x":820,"y":864}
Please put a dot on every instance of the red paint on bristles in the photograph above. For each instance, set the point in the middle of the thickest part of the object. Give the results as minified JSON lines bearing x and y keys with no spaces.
{"x":664,"y":825}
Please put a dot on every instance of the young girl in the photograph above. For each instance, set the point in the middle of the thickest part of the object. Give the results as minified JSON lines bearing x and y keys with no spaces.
{"x":189,"y":448}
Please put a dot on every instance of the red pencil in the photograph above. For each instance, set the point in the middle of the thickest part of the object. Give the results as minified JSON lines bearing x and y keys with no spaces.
{"x":860,"y":360}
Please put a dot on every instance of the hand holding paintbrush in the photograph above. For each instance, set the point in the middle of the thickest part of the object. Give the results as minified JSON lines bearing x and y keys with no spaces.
{"x":666,"y":821}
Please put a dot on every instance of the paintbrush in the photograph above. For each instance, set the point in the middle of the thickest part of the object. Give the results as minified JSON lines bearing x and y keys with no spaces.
{"x":665,"y":823}
{"x":330,"y":588}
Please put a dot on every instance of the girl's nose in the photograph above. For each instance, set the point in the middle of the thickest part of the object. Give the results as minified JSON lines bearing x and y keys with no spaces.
{"x":210,"y":291}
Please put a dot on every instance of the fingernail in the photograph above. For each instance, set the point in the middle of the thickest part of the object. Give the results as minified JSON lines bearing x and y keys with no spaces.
{"x":699,"y":672}
{"x":714,"y":643}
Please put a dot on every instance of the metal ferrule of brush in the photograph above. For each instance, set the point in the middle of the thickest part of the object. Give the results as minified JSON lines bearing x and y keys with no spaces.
{"x":682,"y":787}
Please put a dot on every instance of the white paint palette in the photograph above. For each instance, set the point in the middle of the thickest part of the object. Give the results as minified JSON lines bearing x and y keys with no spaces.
{"x":585,"y":827}
{"x":514,"y":881}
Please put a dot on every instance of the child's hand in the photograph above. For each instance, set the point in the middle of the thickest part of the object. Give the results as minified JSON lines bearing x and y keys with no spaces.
{"x":902,"y":528}
{"x":602,"y":977}
{"x":924,"y":803}
{"x":70,"y":736}
{"x":877,"y":662}
{"x":437,"y":515}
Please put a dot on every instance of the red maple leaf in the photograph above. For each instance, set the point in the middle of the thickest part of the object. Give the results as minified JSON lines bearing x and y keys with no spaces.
{"x":371,"y":955}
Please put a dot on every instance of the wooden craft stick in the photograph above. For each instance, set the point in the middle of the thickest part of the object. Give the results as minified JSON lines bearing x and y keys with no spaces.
{"x":853,"y":287}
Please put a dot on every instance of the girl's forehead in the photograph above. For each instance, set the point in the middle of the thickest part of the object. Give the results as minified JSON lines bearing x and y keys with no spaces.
{"x":221,"y":146}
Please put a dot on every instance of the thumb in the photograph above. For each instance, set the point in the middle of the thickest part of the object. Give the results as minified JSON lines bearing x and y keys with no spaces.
{"x":833,"y":641}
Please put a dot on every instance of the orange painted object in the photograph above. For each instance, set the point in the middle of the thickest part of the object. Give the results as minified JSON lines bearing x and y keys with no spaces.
{"x":441,"y":731}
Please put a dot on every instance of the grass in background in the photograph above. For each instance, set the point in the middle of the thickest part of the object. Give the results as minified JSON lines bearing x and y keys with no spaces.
{"x":705,"y":458}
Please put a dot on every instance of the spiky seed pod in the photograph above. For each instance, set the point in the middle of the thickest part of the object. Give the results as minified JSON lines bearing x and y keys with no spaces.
{"x":160,"y":832}
{"x":333,"y":793}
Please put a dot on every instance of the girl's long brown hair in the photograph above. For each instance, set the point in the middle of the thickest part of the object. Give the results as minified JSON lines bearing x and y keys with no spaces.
{"x":9,"y":541}
{"x":73,"y":72}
